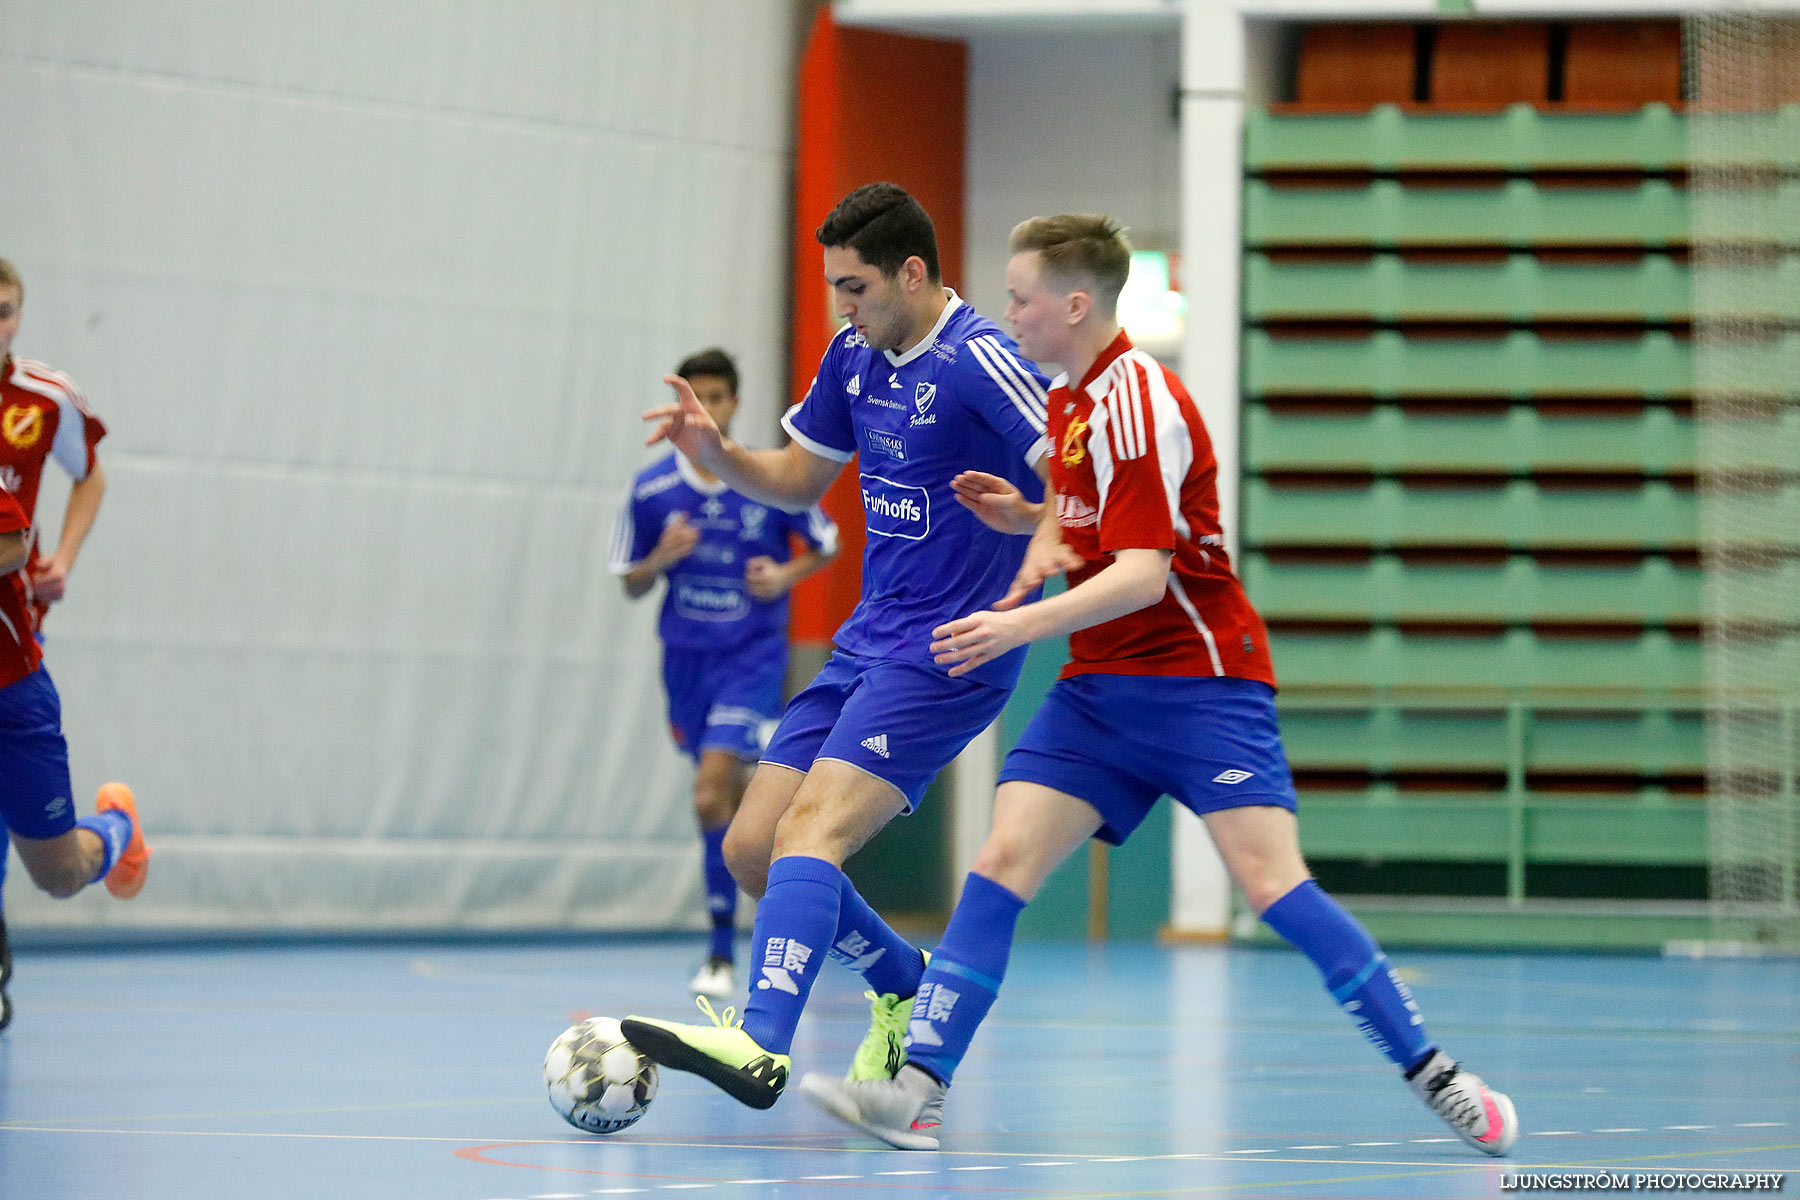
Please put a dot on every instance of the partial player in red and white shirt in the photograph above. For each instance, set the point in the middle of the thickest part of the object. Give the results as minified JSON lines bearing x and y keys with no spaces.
{"x":42,"y":415}
{"x":1169,"y":691}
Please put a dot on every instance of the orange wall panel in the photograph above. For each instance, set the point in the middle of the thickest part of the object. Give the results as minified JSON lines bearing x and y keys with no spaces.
{"x":872,"y":107}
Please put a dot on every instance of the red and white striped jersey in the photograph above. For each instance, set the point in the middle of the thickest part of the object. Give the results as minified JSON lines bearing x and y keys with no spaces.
{"x":43,"y":415}
{"x":1133,"y":468}
{"x":19,"y":653}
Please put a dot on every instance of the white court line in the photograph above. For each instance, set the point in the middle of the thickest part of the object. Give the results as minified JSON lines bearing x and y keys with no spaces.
{"x":1549,"y":1133}
{"x":1250,"y":1152}
{"x":1760,"y":1124}
{"x":1324,"y":1147}
{"x":1372,"y":1143}
{"x":1622,"y":1129}
{"x":998,"y":1168}
{"x":1687,"y":1126}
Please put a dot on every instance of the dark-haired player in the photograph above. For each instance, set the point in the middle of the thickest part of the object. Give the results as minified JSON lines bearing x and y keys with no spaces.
{"x":917,"y":387}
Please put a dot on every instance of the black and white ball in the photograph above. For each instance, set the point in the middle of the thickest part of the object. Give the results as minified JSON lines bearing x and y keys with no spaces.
{"x":597,"y":1080}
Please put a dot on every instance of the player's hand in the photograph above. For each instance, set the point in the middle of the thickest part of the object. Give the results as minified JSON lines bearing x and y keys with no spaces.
{"x":1044,"y":558}
{"x":968,"y":642}
{"x":49,"y":582}
{"x":998,"y":503}
{"x":686,"y":425}
{"x":766,"y":578}
{"x":677,"y":541}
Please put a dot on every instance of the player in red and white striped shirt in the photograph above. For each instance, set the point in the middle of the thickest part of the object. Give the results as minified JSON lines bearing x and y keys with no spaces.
{"x":43,"y":416}
{"x":1168,"y":691}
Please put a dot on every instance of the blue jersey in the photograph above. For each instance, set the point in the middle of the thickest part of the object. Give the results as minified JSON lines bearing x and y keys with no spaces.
{"x":962,"y":399}
{"x":708,"y":605}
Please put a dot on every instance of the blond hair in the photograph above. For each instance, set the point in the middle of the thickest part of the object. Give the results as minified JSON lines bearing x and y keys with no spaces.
{"x":9,"y":277}
{"x":1081,"y":250}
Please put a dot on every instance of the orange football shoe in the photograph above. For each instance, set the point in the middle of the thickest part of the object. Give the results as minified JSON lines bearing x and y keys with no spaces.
{"x":126,"y":879}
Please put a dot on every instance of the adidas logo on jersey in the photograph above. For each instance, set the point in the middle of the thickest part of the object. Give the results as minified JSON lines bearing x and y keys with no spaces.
{"x":854,"y":387}
{"x":878,"y":744}
{"x":1233,"y":776}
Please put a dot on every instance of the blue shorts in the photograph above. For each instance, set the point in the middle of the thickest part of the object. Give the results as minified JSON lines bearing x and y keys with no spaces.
{"x":901,"y":722}
{"x":724,"y":700}
{"x":1122,"y":742}
{"x":35,"y":796}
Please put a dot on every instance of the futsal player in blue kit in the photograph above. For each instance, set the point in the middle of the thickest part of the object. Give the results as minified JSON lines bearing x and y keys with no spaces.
{"x":729,"y":565}
{"x":1169,"y":689}
{"x":918,"y":387}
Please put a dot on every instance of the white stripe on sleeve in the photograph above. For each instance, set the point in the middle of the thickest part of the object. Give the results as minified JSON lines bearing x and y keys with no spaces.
{"x":1020,"y":387}
{"x":619,"y":562}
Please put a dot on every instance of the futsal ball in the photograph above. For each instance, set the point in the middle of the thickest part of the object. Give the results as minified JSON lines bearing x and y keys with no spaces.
{"x":597,"y":1080}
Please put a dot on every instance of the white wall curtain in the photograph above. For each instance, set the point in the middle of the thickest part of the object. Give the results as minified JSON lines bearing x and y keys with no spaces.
{"x":370,"y":293}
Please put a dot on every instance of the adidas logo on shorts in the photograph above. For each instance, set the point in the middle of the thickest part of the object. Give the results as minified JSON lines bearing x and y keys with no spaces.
{"x":878,"y":744}
{"x":1233,"y":776}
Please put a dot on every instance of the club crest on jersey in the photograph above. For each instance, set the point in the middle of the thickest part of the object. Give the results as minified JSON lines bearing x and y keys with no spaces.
{"x":923,"y":395}
{"x":751,"y":518}
{"x":22,"y":425}
{"x":1074,"y":443}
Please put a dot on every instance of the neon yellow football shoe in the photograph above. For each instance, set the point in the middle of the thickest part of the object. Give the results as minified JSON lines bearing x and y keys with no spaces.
{"x":882,"y":1052}
{"x":720,"y":1053}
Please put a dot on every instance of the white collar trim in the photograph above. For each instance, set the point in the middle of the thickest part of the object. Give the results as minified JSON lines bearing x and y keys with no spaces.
{"x":925,"y":343}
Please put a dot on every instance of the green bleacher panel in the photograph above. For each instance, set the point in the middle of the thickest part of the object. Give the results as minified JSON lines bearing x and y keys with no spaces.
{"x":1388,"y":365}
{"x":1385,"y":738}
{"x":1379,"y":823}
{"x":1515,"y":439}
{"x":1518,"y":515}
{"x":1647,"y":829}
{"x":1517,"y":660}
{"x":1520,"y":138}
{"x":1647,"y":741}
{"x":1522,"y":288}
{"x":1522,"y":589}
{"x":1518,"y":214}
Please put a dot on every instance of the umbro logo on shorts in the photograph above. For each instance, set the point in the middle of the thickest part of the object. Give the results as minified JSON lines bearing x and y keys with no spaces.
{"x":878,"y":744}
{"x":1233,"y":776}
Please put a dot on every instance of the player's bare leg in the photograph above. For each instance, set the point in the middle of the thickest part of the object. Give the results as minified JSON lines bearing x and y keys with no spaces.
{"x":109,"y":844}
{"x":750,"y":842}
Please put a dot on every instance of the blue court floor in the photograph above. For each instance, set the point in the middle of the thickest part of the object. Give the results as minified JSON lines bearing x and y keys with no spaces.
{"x":370,"y":1072}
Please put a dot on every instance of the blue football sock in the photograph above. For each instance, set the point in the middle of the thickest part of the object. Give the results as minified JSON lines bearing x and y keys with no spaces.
{"x":889,"y":963}
{"x":113,"y":828}
{"x":1356,"y":972}
{"x":794,"y":922}
{"x":721,"y":893}
{"x":963,"y":977}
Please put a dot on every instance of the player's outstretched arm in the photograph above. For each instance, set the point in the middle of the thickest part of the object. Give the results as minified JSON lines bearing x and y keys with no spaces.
{"x":790,"y":478}
{"x":1135,"y":579}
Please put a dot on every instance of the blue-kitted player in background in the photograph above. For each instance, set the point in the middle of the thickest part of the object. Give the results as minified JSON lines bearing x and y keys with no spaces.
{"x":730,"y":565}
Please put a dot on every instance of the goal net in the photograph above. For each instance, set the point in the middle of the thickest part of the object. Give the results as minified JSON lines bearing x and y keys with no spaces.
{"x":1744,"y":153}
